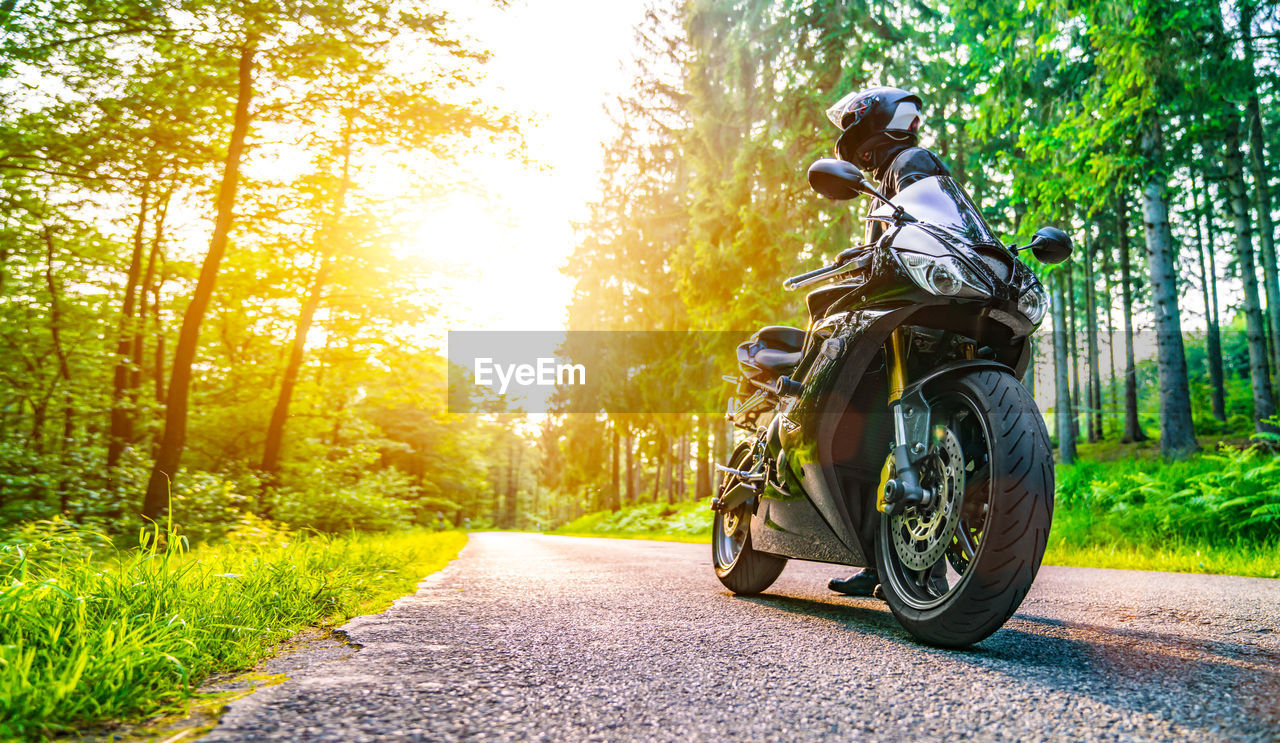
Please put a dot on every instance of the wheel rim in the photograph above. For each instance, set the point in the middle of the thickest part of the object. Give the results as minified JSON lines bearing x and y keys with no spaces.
{"x":729,"y":534}
{"x":929,"y":551}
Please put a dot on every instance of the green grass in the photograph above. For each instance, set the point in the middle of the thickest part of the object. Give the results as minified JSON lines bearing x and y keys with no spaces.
{"x":646,"y":521}
{"x":1257,"y":560}
{"x":656,"y":536}
{"x":1216,"y":512}
{"x":89,"y":633}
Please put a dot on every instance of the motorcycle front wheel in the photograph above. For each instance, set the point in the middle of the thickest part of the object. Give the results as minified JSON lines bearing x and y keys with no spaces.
{"x":955,"y":569}
{"x":738,"y":565}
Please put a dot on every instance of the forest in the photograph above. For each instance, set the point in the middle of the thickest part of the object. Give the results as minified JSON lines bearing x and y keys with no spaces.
{"x":225,"y":400}
{"x":209,"y":315}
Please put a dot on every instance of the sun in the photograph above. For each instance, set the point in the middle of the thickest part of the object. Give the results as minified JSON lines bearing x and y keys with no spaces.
{"x":497,"y":244}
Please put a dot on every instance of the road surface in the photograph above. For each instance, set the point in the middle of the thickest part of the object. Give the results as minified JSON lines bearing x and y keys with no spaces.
{"x":530,"y":637}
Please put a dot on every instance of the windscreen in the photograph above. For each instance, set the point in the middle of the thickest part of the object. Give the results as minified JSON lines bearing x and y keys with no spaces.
{"x":940,"y":202}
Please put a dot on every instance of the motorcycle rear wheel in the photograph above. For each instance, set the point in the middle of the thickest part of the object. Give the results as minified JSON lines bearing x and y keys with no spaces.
{"x":992,"y":526}
{"x":738,"y":565}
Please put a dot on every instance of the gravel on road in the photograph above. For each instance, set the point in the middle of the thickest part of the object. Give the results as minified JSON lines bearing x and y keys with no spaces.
{"x":533,"y":637}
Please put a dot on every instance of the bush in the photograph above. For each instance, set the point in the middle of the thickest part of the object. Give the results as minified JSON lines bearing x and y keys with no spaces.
{"x":368,"y":505}
{"x":1231,"y":494}
{"x":209,"y":503}
{"x":692,"y":519}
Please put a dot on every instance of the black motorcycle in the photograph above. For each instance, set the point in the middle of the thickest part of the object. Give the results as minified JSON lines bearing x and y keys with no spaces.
{"x":894,"y":431}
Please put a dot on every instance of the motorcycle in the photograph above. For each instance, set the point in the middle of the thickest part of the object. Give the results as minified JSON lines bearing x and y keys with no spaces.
{"x":894,"y":430}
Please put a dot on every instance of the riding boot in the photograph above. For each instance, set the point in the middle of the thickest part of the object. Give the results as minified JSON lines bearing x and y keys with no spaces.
{"x":859,"y":584}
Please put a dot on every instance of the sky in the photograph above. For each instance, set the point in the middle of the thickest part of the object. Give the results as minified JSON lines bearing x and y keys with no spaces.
{"x":557,"y":62}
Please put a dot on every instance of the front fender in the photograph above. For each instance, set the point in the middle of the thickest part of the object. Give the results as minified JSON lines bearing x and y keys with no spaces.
{"x":915,"y":410}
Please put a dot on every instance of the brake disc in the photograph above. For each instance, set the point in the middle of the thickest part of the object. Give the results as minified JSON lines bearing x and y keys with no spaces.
{"x":922,"y":534}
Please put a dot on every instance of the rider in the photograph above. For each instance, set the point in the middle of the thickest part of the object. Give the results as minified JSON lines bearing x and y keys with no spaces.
{"x":878,"y":134}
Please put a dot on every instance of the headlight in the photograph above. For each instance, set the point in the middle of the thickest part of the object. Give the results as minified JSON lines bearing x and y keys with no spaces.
{"x":1033,"y":303}
{"x":943,"y":276}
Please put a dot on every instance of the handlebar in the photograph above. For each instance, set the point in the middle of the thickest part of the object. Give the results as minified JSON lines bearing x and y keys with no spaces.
{"x":818,"y":274}
{"x":804,"y":279}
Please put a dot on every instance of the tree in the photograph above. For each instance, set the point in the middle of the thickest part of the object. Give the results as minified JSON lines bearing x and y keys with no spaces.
{"x":1063,"y":412}
{"x":175,"y":424}
{"x":1132,"y":431}
{"x":291,"y":41}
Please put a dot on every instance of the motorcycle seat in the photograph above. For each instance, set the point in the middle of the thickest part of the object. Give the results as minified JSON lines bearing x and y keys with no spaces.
{"x":775,"y":361}
{"x":773,"y":350}
{"x":780,"y":337}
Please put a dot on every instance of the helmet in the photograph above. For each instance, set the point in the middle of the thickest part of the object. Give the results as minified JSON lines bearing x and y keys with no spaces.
{"x":873,"y":117}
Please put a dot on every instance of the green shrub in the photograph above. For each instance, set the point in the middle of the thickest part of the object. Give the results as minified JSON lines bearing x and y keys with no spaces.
{"x":1230,"y":494}
{"x":690,"y":519}
{"x":209,"y":503}
{"x":339,"y":509}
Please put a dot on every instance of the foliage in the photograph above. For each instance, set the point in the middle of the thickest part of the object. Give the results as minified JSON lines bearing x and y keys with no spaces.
{"x":114,"y":133}
{"x":1216,"y":512}
{"x":1231,"y":494}
{"x":691,"y":519}
{"x":90,"y":633}
{"x":378,"y":502}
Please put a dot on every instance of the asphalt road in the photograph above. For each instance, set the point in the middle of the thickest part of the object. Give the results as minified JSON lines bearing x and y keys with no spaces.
{"x":529,"y":637}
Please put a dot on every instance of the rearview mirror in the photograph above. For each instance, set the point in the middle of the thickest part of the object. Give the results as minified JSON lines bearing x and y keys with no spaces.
{"x":837,"y":179}
{"x":1051,"y":245}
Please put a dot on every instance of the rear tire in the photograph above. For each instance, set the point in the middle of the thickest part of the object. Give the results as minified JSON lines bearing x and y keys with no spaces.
{"x":739,"y":566}
{"x":1012,"y":489}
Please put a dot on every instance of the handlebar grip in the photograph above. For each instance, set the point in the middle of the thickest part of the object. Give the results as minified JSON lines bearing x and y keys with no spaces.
{"x":794,"y":282}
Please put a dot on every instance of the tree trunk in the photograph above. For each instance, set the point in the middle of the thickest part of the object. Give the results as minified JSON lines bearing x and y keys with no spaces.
{"x":1073,"y":343}
{"x":1213,"y":343}
{"x":631,"y":468}
{"x":64,"y":373}
{"x":669,"y":471}
{"x":1093,"y":417}
{"x":1108,"y":298}
{"x":615,"y":493}
{"x":147,"y":287}
{"x":121,"y":423}
{"x":1261,"y":184}
{"x":330,"y":241}
{"x":1177,"y":433}
{"x":158,"y":371}
{"x":1132,"y":431}
{"x":280,"y":412}
{"x":1062,"y":413}
{"x":175,"y":426}
{"x":509,"y":510}
{"x":702,"y":487}
{"x":659,"y":456}
{"x":1255,"y":333}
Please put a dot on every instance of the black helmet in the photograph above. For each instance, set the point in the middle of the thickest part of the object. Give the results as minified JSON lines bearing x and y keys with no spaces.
{"x":871,"y":118}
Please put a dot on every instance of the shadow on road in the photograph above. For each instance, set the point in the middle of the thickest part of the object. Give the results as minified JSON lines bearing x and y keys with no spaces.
{"x":1237,"y":684}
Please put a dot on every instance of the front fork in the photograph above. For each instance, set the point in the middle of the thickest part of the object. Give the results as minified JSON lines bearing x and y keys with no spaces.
{"x":902,"y":489}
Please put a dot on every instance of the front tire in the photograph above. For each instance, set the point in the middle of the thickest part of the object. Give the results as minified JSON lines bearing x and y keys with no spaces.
{"x":991,"y":468}
{"x":739,"y":566}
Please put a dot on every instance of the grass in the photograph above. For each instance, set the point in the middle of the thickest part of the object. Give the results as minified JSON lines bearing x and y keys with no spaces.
{"x":90,"y":633}
{"x":656,"y":536}
{"x":1257,"y":560}
{"x":1216,"y":512}
{"x":646,"y":521}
